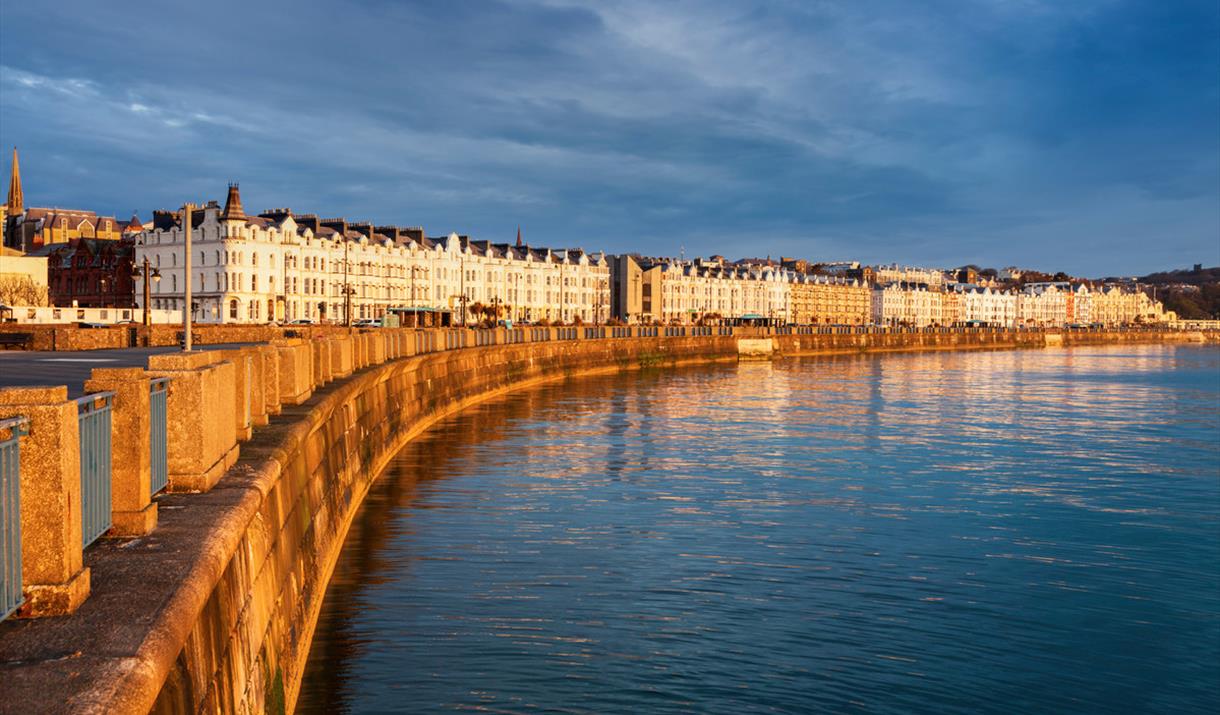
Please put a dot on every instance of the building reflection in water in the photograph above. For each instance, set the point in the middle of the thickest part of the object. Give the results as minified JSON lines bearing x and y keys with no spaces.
{"x":814,"y":533}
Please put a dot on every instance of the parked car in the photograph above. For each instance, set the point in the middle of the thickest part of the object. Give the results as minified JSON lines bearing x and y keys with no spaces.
{"x":367,"y":323}
{"x":300,"y":321}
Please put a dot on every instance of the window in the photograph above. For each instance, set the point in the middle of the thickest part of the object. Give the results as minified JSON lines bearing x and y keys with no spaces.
{"x":233,"y":309}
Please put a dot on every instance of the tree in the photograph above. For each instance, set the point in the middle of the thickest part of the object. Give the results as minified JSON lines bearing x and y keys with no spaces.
{"x":476,"y":309}
{"x":22,"y":291}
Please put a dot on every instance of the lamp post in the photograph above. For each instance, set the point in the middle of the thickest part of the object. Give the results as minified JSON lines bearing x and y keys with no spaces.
{"x":156,"y":276}
{"x":187,"y":303}
{"x":347,"y":288}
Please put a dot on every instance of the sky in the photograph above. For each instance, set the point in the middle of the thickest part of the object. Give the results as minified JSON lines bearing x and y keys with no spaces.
{"x":1081,"y":136}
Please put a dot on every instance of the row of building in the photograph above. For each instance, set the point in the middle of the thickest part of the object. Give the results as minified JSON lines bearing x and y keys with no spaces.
{"x":284,"y":267}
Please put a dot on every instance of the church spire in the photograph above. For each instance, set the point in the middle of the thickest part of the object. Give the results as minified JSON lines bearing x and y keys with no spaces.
{"x":518,"y":237}
{"x":233,"y":210}
{"x":16,"y":202}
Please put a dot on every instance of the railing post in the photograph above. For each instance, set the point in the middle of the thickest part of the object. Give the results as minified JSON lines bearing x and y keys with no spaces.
{"x":296,"y":372}
{"x":321,"y":362}
{"x":268,"y":382}
{"x":132,"y":511}
{"x":243,"y":389}
{"x":55,"y":579}
{"x":340,"y":356}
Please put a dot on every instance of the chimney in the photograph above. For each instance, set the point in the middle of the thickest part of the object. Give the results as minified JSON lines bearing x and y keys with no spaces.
{"x":233,"y":210}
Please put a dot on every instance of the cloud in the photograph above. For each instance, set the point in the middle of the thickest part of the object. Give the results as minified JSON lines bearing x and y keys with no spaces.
{"x":1061,"y":134}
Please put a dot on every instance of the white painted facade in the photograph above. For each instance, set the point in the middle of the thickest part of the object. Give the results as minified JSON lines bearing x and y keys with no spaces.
{"x":258,"y":270}
{"x":914,"y":305}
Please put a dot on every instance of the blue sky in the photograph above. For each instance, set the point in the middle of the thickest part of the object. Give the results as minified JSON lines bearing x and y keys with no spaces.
{"x":1081,"y":136}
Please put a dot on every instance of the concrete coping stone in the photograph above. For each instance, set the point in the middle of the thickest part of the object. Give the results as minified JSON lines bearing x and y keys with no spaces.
{"x":183,"y":361}
{"x":34,"y":395}
{"x":119,"y":373}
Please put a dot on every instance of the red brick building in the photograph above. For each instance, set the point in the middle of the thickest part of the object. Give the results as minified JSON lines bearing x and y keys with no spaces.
{"x":93,"y":272}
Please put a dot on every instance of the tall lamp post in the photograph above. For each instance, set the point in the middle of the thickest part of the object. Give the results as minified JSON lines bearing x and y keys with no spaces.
{"x":187,"y":303}
{"x":156,"y":276}
{"x":347,"y":288}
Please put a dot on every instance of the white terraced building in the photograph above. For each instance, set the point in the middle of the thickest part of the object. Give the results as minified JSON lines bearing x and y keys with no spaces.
{"x":982,"y":305}
{"x":281,"y":267}
{"x":907,"y":304}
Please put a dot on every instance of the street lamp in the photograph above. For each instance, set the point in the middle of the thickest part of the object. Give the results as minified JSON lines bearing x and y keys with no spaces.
{"x":187,"y":315}
{"x":156,"y":276}
{"x":348,"y":292}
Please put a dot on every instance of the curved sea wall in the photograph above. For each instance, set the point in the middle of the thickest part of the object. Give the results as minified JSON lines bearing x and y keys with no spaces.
{"x":245,"y":617}
{"x":247,"y":563}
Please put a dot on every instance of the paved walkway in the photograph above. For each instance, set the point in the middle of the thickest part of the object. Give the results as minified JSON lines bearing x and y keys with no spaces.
{"x":27,"y":368}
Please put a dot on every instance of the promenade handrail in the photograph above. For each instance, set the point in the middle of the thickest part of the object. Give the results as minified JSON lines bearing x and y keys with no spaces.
{"x":10,"y":513}
{"x":158,"y":433}
{"x":95,"y":433}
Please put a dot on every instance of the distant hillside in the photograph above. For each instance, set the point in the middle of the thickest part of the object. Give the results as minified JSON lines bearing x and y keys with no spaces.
{"x":1199,"y":277}
{"x":1192,"y":294}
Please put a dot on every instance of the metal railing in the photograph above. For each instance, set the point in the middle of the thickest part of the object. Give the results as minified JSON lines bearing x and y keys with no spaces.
{"x":158,"y":434}
{"x":94,"y":420}
{"x":11,"y":429}
{"x":456,"y":338}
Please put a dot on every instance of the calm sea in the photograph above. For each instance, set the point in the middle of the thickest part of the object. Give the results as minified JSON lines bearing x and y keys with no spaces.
{"x":1023,"y":531}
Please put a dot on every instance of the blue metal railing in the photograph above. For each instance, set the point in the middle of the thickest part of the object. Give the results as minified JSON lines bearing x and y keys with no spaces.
{"x":10,"y":513}
{"x":158,"y":426}
{"x":94,"y":420}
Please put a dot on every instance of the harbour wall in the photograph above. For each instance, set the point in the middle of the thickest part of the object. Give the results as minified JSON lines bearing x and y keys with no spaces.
{"x":232,"y":628}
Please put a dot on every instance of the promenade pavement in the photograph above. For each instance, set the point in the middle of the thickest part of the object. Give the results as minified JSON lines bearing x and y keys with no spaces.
{"x":29,"y":368}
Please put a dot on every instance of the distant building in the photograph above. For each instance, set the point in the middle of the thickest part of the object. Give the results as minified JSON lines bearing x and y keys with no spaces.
{"x":1042,"y":305}
{"x":907,"y":304}
{"x":673,"y":290}
{"x":830,"y":300}
{"x":895,"y":273}
{"x":29,"y":228}
{"x":280,"y":266}
{"x":91,"y":273}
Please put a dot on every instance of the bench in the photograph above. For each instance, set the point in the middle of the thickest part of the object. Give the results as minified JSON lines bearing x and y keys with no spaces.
{"x":19,"y":339}
{"x":182,"y":338}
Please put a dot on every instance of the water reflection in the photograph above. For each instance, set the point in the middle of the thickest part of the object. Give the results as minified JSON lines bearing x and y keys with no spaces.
{"x":1003,"y":531}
